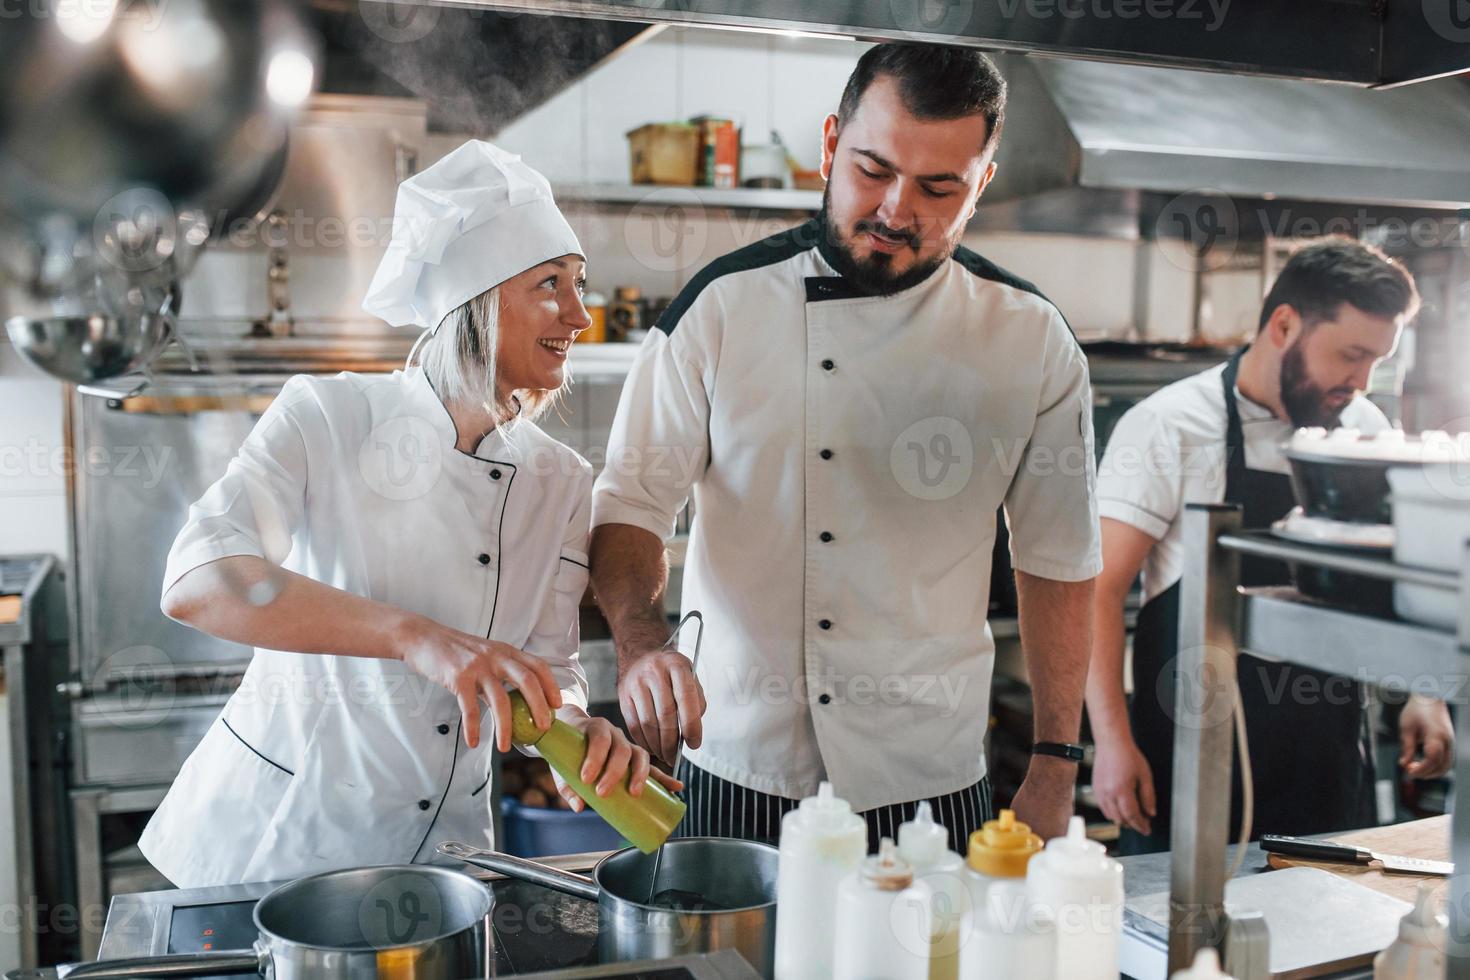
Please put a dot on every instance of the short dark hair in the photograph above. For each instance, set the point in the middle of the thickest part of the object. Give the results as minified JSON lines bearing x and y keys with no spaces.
{"x":1321,"y":276}
{"x":935,"y":81}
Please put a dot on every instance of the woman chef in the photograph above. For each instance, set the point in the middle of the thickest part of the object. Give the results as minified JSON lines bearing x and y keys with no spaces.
{"x":398,"y":548}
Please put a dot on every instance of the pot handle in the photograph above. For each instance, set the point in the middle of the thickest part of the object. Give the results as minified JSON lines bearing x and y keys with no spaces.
{"x":174,"y":965}
{"x":514,"y":867}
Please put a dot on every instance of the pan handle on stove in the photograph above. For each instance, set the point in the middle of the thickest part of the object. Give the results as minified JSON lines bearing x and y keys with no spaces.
{"x":514,"y":867}
{"x":174,"y":965}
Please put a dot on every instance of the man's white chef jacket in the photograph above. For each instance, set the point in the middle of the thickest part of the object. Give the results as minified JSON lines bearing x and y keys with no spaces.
{"x":847,"y":454}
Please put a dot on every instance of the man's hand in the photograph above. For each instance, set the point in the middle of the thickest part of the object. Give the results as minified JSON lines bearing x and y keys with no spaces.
{"x":660,"y":697}
{"x":610,"y":759}
{"x":1124,"y":784}
{"x":1044,"y":800}
{"x":1425,"y":731}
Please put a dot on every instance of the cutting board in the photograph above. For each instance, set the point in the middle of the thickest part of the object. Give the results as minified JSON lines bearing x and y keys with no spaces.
{"x":1418,"y":838}
{"x":1320,"y":924}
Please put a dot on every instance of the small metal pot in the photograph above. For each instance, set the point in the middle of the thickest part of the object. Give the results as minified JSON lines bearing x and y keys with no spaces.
{"x":397,"y":922}
{"x":736,"y":875}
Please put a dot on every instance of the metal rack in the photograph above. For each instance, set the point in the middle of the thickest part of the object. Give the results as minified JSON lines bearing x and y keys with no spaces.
{"x":1217,"y":620}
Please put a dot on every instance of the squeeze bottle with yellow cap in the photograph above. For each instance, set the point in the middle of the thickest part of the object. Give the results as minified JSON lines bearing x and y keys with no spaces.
{"x":999,"y":851}
{"x":884,"y":921}
{"x":645,"y":821}
{"x":924,"y":844}
{"x":822,"y":840}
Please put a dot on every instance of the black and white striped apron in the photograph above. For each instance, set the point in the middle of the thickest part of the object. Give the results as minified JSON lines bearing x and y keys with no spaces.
{"x":719,"y":808}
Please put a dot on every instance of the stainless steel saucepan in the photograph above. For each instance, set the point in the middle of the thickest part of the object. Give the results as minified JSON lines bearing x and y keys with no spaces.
{"x":714,"y":894}
{"x":397,"y":922}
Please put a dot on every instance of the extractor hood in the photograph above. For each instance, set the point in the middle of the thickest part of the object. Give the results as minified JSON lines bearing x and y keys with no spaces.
{"x":1358,"y":42}
{"x":1135,"y":128}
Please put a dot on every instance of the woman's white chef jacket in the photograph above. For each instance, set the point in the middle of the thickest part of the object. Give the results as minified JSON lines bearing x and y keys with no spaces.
{"x":320,"y":762}
{"x":846,"y":454}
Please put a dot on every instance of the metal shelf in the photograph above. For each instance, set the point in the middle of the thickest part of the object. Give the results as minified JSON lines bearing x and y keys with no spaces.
{"x":1218,"y":620}
{"x":1281,"y":624}
{"x":1264,"y":544}
{"x":659,"y":196}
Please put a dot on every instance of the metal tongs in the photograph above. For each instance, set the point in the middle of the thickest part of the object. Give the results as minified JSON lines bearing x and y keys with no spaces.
{"x":658,"y":855}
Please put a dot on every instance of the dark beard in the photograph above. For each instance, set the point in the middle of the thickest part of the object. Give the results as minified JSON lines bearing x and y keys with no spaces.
{"x":873,"y":275}
{"x":1305,"y":403}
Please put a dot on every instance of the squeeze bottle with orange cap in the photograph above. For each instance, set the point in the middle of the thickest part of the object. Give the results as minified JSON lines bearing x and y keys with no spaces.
{"x":999,"y":851}
{"x":884,"y":921}
{"x":924,"y":845}
{"x":1075,"y":881}
{"x":822,"y":841}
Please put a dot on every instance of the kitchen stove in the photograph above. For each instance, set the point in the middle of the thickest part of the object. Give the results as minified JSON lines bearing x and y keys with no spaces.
{"x":535,"y":932}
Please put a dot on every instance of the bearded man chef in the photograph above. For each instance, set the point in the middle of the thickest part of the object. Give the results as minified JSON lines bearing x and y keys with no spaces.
{"x":398,"y":549}
{"x":1333,"y":313}
{"x":854,"y":400}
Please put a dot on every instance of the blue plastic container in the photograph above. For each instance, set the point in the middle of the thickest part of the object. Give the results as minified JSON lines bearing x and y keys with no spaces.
{"x":533,"y":831}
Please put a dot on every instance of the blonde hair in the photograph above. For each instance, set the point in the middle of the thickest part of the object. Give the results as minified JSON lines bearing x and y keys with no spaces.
{"x":459,"y":360}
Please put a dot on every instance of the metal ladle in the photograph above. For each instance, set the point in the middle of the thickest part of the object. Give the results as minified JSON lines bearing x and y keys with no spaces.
{"x":679,"y":739}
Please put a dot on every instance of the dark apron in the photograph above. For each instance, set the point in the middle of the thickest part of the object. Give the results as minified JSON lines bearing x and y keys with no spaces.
{"x":1308,"y":733}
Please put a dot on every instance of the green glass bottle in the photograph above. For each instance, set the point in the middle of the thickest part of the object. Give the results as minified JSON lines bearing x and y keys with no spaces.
{"x":645,"y":821}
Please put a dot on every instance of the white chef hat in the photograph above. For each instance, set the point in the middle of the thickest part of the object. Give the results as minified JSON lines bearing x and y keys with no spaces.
{"x":468,"y":223}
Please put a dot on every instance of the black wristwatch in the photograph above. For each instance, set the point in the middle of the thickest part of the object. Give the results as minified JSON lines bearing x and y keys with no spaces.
{"x":1061,"y":750}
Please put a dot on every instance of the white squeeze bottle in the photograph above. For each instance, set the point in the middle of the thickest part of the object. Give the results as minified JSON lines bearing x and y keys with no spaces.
{"x":1206,"y":967}
{"x":884,"y":921}
{"x":1009,"y":937}
{"x":1075,"y":881}
{"x":822,"y":841}
{"x":924,"y":845}
{"x":1418,"y":952}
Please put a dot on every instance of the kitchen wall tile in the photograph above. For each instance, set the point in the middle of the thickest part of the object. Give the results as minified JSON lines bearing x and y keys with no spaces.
{"x":34,"y":523}
{"x":1091,"y":280}
{"x":807,"y":79}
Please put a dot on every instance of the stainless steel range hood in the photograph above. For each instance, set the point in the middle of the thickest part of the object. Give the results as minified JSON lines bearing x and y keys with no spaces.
{"x":1359,"y":42}
{"x":1133,"y":128}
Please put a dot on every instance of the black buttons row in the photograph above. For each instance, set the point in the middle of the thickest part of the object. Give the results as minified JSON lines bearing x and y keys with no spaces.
{"x":826,"y":537}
